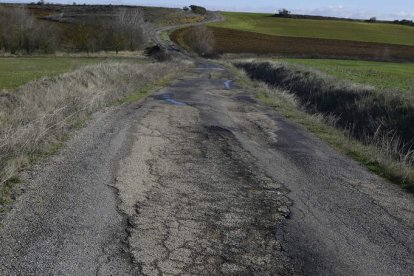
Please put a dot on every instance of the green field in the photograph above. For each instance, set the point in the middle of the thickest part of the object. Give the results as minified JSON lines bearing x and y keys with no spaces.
{"x":17,"y":71}
{"x":382,"y":75}
{"x":326,"y":29}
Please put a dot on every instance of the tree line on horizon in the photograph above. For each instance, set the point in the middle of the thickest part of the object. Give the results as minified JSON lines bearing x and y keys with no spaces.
{"x":22,"y":33}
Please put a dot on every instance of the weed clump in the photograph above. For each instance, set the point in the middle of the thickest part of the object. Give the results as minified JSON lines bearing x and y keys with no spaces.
{"x":201,"y":39}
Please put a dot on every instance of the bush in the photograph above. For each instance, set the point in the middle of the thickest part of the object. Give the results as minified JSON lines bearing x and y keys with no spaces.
{"x":198,"y":9}
{"x":201,"y":40}
{"x":157,"y":53}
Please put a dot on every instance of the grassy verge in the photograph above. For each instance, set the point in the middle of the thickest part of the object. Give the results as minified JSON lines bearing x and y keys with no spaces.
{"x":38,"y":117}
{"x":16,"y":71}
{"x":381,"y":75}
{"x":374,"y":158}
{"x":322,"y":29}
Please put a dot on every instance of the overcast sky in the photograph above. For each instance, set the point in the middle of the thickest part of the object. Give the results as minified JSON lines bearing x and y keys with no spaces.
{"x":382,"y":9}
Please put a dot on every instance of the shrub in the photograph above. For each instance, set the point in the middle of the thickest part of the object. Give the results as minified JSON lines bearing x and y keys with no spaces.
{"x":157,"y":53}
{"x":201,"y":40}
{"x":198,"y":9}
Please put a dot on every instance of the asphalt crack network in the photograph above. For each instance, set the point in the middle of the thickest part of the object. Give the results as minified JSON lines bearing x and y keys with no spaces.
{"x":208,"y":210}
{"x":219,"y":185}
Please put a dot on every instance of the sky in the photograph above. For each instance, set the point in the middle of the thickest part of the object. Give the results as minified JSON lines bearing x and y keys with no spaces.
{"x":382,"y":9}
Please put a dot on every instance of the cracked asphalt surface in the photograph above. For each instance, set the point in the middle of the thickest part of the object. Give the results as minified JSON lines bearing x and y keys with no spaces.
{"x":202,"y":179}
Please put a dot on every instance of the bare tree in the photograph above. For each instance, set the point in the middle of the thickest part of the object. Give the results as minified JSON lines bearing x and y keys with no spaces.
{"x":284,"y":12}
{"x":201,"y":40}
{"x":18,"y":27}
{"x":20,"y":31}
{"x":372,"y":19}
{"x":130,"y":24}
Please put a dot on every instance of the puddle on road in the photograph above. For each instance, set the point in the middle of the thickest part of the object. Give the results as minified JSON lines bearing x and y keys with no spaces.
{"x":227,"y":84}
{"x":168,"y":97}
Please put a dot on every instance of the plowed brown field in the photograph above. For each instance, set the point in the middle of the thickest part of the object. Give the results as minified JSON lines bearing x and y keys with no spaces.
{"x":234,"y":41}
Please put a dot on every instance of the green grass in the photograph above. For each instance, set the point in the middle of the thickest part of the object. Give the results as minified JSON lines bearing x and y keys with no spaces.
{"x":17,"y":71}
{"x":327,"y":29}
{"x":381,"y":75}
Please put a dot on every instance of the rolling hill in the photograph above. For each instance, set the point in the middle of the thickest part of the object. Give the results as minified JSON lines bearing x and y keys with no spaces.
{"x":323,"y":29}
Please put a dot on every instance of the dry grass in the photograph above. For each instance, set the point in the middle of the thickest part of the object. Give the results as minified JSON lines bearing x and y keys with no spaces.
{"x":39,"y":115}
{"x":383,"y":151}
{"x":365,"y":112}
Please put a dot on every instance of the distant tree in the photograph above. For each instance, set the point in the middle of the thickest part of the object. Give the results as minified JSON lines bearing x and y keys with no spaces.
{"x":372,"y":19}
{"x":80,"y":36}
{"x":198,"y":9}
{"x":404,"y":22}
{"x":20,"y":31}
{"x":130,"y":23}
{"x":201,"y":39}
{"x":283,"y":12}
{"x":41,"y":2}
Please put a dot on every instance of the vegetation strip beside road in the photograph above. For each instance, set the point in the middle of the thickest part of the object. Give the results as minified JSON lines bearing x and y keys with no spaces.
{"x":18,"y":71}
{"x":381,"y":154}
{"x":395,"y":77}
{"x":36,"y":118}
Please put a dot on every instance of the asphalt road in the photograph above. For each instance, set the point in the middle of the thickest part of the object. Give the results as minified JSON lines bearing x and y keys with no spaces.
{"x":202,"y":179}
